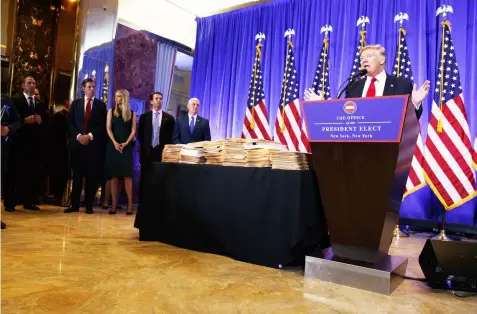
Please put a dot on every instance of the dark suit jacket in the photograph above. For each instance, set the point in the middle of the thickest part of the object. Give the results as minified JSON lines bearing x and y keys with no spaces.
{"x":11,"y":119}
{"x":145,"y":130}
{"x":30,"y":137}
{"x":96,"y":125}
{"x":182,"y":133}
{"x":393,"y":86}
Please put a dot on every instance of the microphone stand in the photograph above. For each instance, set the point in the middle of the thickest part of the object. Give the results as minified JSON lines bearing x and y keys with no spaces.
{"x":350,"y":81}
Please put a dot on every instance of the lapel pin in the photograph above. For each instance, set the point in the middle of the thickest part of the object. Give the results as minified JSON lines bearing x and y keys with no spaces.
{"x":392,"y":85}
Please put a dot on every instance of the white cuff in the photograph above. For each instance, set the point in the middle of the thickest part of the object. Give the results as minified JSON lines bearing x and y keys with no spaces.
{"x":417,"y":106}
{"x":90,"y":135}
{"x":77,"y":136}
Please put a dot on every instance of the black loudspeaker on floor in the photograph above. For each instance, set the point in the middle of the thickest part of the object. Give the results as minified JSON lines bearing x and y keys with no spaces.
{"x":450,"y":265}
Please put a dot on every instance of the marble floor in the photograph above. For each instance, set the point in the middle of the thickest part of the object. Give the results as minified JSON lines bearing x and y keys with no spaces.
{"x":77,"y":263}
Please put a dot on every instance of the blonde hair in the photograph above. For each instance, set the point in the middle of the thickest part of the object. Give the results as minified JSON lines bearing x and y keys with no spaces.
{"x":379,"y":48}
{"x":124,"y":109}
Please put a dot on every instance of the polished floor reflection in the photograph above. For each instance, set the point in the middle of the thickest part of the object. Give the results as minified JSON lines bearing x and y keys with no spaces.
{"x":77,"y":263}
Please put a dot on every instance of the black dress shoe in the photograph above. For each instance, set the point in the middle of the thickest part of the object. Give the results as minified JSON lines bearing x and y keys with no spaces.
{"x":89,"y":210}
{"x":71,"y":210}
{"x":3,"y":225}
{"x":31,"y":207}
{"x":10,"y":209}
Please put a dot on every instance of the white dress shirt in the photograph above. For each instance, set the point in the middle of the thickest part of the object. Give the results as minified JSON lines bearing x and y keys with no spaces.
{"x":379,"y":84}
{"x":85,"y":104}
{"x":28,"y":96}
{"x":195,"y":119}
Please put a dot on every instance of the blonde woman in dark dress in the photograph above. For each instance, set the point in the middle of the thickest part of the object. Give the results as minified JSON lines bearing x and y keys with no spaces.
{"x":121,"y":128}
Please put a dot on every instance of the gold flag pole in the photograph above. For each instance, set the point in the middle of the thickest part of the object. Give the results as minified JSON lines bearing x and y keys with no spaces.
{"x":258,"y":55}
{"x":362,"y":21}
{"x":325,"y":50}
{"x":66,"y":200}
{"x":444,"y":9}
{"x":290,"y":44}
{"x":439,"y":122}
{"x":397,"y":232}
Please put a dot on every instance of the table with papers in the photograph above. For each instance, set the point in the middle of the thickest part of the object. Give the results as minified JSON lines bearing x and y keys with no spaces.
{"x":264,"y":216}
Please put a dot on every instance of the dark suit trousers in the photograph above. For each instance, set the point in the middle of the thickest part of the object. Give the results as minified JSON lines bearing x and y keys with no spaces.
{"x":22,"y":177}
{"x":85,"y":165}
{"x":155,"y":155}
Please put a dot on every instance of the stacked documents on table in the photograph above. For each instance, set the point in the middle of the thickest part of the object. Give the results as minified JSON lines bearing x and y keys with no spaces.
{"x":192,"y":153}
{"x":234,"y":152}
{"x":290,"y":160}
{"x":214,"y":152}
{"x":258,"y":152}
{"x":172,"y":153}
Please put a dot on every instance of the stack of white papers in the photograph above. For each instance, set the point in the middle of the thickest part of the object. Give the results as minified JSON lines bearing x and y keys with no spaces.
{"x":171,"y":153}
{"x":290,"y":160}
{"x":192,"y":153}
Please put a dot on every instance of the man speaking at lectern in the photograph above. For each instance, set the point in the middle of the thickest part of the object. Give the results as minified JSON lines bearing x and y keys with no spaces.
{"x":378,"y":82}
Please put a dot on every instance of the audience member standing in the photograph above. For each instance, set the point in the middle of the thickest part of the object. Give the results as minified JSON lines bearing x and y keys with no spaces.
{"x":154,"y":132}
{"x":121,"y":128}
{"x":27,"y":149}
{"x":59,"y":168}
{"x":87,"y":119}
{"x":191,"y":127}
{"x":10,"y":125}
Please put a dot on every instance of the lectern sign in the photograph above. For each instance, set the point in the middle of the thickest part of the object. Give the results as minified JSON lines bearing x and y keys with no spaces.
{"x":377,"y":119}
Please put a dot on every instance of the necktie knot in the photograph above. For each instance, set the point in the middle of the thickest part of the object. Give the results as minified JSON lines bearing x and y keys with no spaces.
{"x":373,"y":80}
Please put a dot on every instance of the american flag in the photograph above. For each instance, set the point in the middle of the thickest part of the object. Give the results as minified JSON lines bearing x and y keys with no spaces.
{"x":448,"y":152}
{"x":287,"y":125}
{"x":321,"y":81}
{"x":474,"y":158}
{"x":356,"y":60}
{"x":255,"y":123}
{"x":402,"y":68}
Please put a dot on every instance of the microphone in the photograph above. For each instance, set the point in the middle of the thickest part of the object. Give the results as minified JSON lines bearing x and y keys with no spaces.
{"x":360,"y":73}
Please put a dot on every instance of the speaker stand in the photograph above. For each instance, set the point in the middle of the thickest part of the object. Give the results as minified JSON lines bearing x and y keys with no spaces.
{"x":442,"y":236}
{"x":398,"y":233}
{"x":382,"y":277}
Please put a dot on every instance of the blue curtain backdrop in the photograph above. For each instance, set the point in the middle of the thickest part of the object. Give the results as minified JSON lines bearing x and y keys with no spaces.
{"x":225,"y":49}
{"x":165,"y":61}
{"x":96,"y":59}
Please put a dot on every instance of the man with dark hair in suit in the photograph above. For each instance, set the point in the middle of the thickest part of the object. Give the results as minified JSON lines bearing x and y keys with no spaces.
{"x":191,"y":127}
{"x":27,"y":149}
{"x":59,"y":167}
{"x":10,"y":125}
{"x":378,"y":82}
{"x":154,"y":131}
{"x":87,"y":120}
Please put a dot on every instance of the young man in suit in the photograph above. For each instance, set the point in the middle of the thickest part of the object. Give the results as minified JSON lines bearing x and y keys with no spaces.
{"x":87,"y":120}
{"x":154,"y":131}
{"x":191,"y":128}
{"x":379,"y":83}
{"x":27,"y":149}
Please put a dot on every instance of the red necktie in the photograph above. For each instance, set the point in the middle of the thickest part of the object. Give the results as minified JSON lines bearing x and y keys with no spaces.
{"x":87,"y":115}
{"x":371,"y":89}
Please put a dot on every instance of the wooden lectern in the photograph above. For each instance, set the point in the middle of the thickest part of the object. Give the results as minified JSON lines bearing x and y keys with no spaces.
{"x":362,"y":151}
